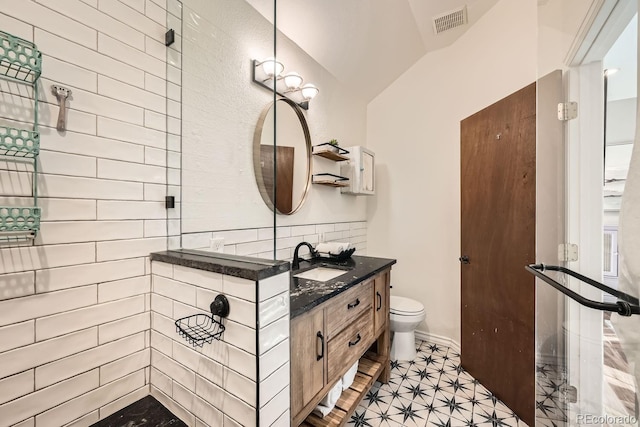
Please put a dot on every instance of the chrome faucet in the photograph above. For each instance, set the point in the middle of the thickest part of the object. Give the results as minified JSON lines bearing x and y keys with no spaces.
{"x":295,"y":264}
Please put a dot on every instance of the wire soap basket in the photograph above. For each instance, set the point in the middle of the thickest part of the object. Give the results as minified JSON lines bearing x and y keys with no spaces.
{"x":199,"y":329}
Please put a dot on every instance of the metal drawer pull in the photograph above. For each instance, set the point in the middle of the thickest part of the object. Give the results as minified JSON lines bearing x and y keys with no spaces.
{"x":379,"y":301}
{"x":321,"y":355}
{"x":355,"y":304}
{"x":352,"y":343}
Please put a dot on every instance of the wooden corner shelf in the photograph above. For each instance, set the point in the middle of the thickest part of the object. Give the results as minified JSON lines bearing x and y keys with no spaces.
{"x":331,"y":155}
{"x":330,"y":179}
{"x":370,"y":367}
{"x":330,"y":151}
{"x":333,"y":184}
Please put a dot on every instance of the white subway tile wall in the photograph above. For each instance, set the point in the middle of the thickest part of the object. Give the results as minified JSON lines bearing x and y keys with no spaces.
{"x":218,"y":380}
{"x":273,"y":337}
{"x":258,"y":242}
{"x":75,"y":304}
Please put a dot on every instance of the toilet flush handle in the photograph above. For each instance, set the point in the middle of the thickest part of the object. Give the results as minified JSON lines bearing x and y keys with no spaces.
{"x":464,"y":259}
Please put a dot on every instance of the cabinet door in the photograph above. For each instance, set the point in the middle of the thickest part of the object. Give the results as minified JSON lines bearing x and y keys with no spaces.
{"x":381,"y":300}
{"x":308,"y":354}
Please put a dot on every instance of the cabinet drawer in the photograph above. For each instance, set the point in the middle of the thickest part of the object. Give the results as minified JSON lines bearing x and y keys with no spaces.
{"x":349,"y":345}
{"x":343,"y":309}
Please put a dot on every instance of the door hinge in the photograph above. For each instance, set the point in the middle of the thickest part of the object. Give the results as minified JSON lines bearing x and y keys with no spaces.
{"x":567,"y":111}
{"x":570,"y":393}
{"x":567,"y":252}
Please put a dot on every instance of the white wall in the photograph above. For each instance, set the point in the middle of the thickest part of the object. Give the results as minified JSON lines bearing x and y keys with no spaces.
{"x":621,"y":120}
{"x":414,"y":129}
{"x":221,"y":112}
{"x":562,"y":25}
{"x":74,"y":306}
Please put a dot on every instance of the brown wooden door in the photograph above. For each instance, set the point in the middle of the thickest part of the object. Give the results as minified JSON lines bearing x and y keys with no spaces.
{"x":308,"y":358}
{"x":498,"y":187}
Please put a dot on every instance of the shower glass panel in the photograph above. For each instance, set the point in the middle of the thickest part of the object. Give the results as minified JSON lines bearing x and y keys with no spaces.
{"x":212,"y":112}
{"x":172,"y":125}
{"x":587,"y":321}
{"x":322,"y":43}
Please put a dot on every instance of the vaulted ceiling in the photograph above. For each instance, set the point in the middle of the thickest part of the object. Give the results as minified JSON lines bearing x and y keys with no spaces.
{"x":367,"y":44}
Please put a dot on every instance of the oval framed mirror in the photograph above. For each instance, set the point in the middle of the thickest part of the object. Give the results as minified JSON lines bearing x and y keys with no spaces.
{"x":282,"y":167}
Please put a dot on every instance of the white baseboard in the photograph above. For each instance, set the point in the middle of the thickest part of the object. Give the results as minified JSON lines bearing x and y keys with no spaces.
{"x":549,"y":359}
{"x":438,"y":339}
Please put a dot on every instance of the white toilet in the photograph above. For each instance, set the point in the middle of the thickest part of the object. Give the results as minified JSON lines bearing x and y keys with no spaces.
{"x":406,"y":314}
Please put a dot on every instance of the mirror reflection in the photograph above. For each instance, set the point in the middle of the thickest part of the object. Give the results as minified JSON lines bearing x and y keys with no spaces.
{"x":282,"y":167}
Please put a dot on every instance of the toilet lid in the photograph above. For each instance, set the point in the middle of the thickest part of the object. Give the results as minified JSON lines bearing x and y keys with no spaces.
{"x":405,"y":305}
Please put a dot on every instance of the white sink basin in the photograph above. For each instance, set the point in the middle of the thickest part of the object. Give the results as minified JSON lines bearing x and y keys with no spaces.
{"x":320,"y":274}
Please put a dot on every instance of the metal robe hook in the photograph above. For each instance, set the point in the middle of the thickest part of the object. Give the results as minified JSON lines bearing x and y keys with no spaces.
{"x":61,"y":94}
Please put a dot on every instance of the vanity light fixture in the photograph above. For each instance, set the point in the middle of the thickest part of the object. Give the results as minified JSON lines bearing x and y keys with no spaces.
{"x":271,"y":70}
{"x":271,"y":67}
{"x":309,"y":91}
{"x":292,"y":81}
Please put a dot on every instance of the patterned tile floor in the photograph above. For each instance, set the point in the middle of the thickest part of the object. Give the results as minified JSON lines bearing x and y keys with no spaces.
{"x":619,"y":396}
{"x":432,"y":390}
{"x":551,"y":405}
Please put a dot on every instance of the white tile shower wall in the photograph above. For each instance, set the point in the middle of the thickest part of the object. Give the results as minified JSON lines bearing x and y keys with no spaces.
{"x":75,"y":320}
{"x":258,"y":242}
{"x":217,"y":384}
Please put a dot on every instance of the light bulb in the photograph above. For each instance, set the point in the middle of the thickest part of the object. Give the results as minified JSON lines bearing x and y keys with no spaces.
{"x":292,"y":80}
{"x":309,"y":91}
{"x":272,"y":67}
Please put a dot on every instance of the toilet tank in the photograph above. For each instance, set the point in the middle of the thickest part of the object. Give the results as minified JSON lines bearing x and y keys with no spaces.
{"x":360,"y":169}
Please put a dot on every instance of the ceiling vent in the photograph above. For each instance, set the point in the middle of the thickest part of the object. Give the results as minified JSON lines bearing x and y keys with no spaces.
{"x":450,"y":20}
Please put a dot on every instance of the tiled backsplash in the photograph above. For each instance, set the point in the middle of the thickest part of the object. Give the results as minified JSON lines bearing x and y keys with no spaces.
{"x":258,"y":242}
{"x":216,"y":384}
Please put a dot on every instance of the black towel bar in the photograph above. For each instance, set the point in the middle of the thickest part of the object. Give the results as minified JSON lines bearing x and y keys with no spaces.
{"x":625,"y":306}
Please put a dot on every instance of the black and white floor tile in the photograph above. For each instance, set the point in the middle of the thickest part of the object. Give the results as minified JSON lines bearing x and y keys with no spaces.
{"x":553,"y":391}
{"x":551,"y":380}
{"x":432,"y":390}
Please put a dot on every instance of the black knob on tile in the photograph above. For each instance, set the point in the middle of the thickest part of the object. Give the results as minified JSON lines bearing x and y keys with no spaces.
{"x":220,"y":306}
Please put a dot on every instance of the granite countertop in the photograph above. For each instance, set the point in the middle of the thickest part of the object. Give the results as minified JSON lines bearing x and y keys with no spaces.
{"x":231,"y":265}
{"x":306,"y":294}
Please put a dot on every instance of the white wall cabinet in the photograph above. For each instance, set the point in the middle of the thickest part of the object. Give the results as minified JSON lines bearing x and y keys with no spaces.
{"x":360,"y":169}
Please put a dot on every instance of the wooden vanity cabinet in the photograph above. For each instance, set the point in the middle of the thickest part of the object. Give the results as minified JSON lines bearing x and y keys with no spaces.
{"x":308,"y":350}
{"x":343,"y":309}
{"x":381,"y":322}
{"x":355,"y":337}
{"x":381,"y":300}
{"x":326,"y":342}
